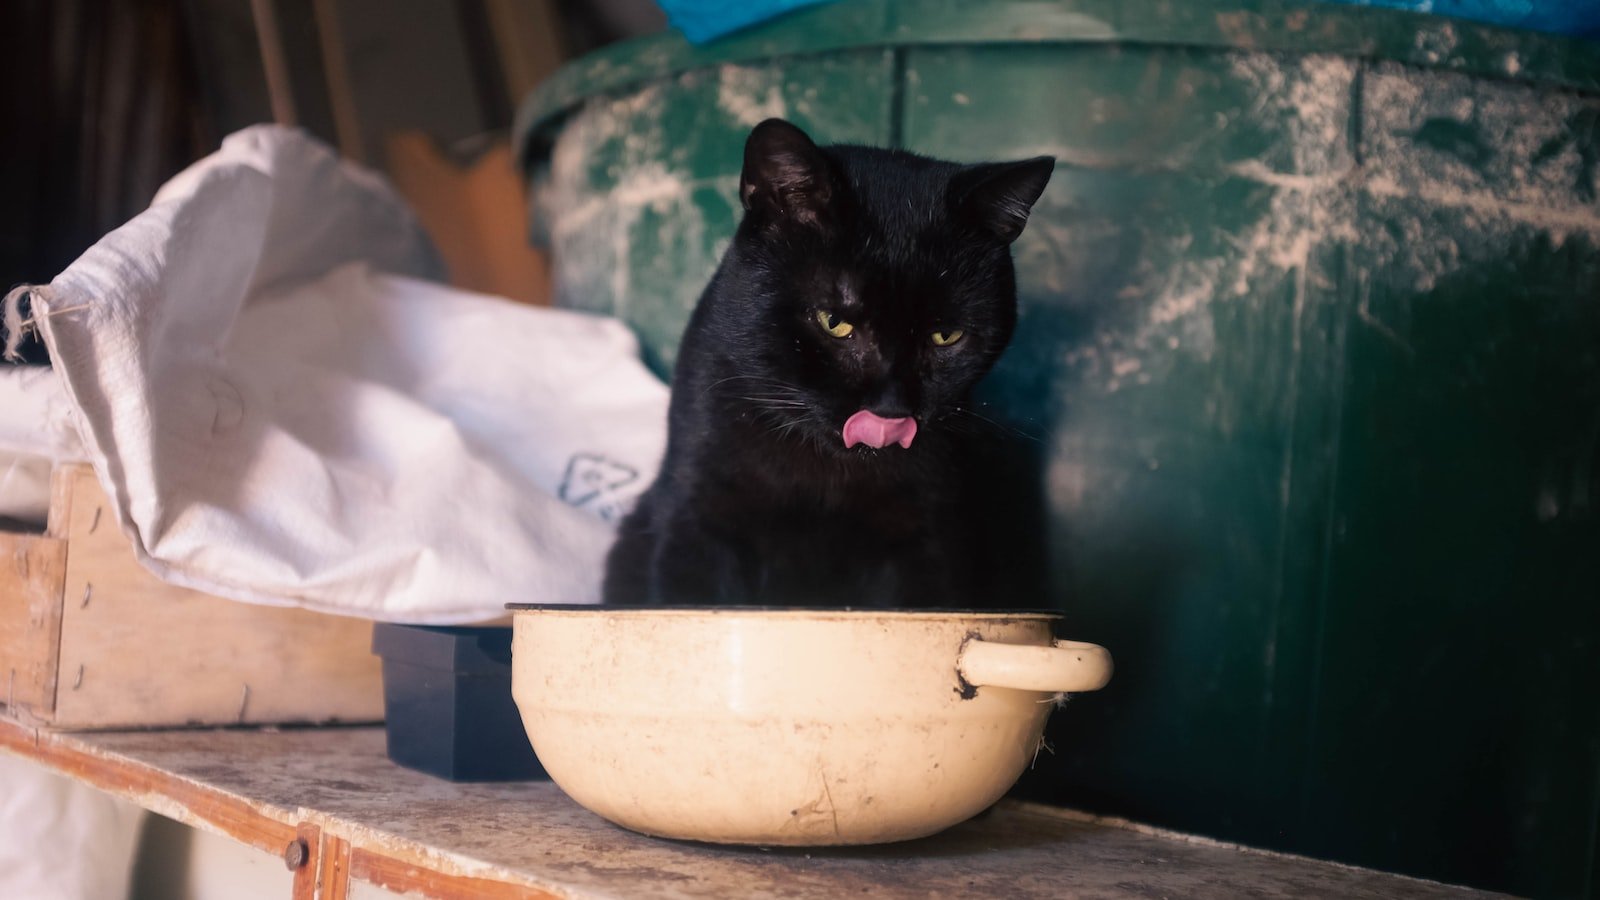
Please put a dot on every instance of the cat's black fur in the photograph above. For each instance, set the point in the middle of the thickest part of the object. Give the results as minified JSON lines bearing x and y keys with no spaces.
{"x":758,"y":501}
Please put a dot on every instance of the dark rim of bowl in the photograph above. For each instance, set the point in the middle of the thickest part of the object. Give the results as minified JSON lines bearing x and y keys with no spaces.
{"x":869,"y":610}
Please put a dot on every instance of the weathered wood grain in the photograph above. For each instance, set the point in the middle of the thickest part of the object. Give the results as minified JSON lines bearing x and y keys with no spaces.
{"x":415,"y":835}
{"x":32,"y":573}
{"x":174,"y":796}
{"x":333,"y":874}
{"x":408,"y":879}
{"x":309,"y":883}
{"x":136,"y":651}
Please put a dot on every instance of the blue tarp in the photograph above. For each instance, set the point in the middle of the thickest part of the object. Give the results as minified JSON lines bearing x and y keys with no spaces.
{"x":703,"y":20}
{"x":1580,"y":18}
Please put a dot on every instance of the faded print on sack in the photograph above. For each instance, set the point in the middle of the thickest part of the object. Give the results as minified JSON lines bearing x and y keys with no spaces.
{"x":593,"y":482}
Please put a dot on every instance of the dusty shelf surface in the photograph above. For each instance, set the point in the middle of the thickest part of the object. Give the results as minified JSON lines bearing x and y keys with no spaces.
{"x":530,"y":838}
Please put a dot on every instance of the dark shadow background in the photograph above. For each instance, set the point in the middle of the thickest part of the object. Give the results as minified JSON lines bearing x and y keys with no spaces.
{"x":104,"y":100}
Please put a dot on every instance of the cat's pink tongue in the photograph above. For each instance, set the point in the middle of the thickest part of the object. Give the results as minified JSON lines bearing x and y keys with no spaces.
{"x":875,"y":431}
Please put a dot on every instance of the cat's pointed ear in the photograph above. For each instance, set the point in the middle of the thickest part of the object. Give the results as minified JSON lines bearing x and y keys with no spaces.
{"x":785,"y":174}
{"x":998,"y":196}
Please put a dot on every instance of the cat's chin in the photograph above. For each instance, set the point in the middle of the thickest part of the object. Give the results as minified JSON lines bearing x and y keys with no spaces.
{"x":864,"y":452}
{"x":891,"y":452}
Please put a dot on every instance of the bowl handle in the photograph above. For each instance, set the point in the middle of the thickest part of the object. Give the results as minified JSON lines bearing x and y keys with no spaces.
{"x":1067,"y":666}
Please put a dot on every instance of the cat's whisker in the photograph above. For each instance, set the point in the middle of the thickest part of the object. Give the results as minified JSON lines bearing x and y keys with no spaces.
{"x":763,"y":379}
{"x":985,"y":420}
{"x":784,"y":429}
{"x":762,"y":398}
{"x":774,"y":404}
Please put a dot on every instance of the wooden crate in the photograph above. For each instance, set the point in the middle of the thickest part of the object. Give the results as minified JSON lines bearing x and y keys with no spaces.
{"x":89,"y":639}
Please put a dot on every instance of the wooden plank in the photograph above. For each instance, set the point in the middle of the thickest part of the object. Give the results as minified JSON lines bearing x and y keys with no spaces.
{"x":171,"y":795}
{"x":32,"y":575}
{"x":412,"y":880}
{"x":414,"y":835}
{"x":62,"y":480}
{"x":527,"y":34}
{"x":275,"y":62}
{"x":308,"y":875}
{"x":335,"y":62}
{"x":136,"y":651}
{"x":474,"y":214}
{"x":333,"y":878}
{"x":330,"y":862}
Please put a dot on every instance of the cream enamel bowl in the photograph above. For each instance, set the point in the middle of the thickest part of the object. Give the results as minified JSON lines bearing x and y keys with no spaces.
{"x":789,"y":727}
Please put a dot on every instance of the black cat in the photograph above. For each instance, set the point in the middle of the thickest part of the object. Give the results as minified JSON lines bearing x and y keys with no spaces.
{"x":819,"y":449}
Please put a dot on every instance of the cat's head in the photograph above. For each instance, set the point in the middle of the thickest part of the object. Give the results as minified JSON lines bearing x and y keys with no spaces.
{"x":870,"y":289}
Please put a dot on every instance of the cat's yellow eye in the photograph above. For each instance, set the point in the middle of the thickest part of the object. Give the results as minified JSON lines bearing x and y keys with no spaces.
{"x":834,"y":325}
{"x":946,"y":338}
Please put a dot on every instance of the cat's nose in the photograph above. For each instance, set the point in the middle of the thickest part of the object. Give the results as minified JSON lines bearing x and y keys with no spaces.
{"x":890,"y":410}
{"x":891,"y":403}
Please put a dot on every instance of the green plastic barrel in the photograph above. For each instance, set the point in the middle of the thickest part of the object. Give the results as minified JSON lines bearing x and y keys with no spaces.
{"x":1309,"y":358}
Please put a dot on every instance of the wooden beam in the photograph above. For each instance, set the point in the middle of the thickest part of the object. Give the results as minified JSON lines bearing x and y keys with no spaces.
{"x":527,"y":34}
{"x":334,"y":876}
{"x":176,"y":798}
{"x":274,"y":62}
{"x":307,"y":851}
{"x":411,"y":880}
{"x":330,"y":861}
{"x":336,"y":68}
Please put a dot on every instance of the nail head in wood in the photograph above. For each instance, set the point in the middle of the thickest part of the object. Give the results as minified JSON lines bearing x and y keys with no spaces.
{"x":296,"y":854}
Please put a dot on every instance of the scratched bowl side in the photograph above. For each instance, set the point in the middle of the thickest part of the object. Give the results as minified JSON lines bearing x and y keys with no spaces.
{"x":755,"y":731}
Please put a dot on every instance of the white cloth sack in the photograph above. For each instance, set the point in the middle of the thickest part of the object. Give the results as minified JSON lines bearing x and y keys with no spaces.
{"x":36,"y":432}
{"x":61,"y":839}
{"x":282,"y":412}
